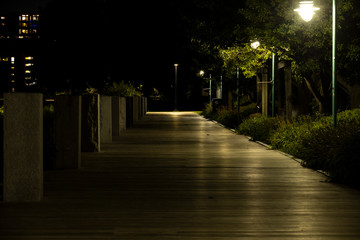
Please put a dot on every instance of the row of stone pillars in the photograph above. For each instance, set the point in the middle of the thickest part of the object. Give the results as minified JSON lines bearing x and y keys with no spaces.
{"x":81,"y":124}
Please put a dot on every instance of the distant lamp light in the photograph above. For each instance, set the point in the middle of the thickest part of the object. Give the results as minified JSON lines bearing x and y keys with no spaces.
{"x":307,"y":10}
{"x":202,"y":73}
{"x":255,"y":44}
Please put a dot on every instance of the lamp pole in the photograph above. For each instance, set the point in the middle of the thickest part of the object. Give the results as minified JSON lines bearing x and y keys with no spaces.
{"x":176,"y":76}
{"x":210,"y":86}
{"x":273,"y":85}
{"x":306,"y":11}
{"x":221,"y":86}
{"x":255,"y":44}
{"x":237,"y":89}
{"x":334,"y":108}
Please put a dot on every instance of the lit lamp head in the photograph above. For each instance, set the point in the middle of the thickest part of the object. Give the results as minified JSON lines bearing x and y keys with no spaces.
{"x":307,"y":10}
{"x":202,"y":73}
{"x":255,"y":44}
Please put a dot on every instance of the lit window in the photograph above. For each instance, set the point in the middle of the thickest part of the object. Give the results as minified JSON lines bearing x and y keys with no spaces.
{"x":12,"y":59}
{"x":28,"y":71}
{"x":2,"y":18}
{"x":29,"y":58}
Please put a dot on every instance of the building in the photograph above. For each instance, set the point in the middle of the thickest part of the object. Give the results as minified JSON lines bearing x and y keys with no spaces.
{"x":19,"y":55}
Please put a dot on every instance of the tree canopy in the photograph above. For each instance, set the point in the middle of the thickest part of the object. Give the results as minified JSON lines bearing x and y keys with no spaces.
{"x":307,"y":44}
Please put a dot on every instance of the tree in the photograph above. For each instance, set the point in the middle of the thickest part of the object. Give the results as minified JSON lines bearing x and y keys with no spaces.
{"x":308,"y":45}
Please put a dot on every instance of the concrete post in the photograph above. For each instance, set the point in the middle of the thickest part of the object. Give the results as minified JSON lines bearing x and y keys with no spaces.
{"x":23,"y":147}
{"x":90,"y":123}
{"x":115,"y":115}
{"x":105,"y":119}
{"x":122,"y":114}
{"x":129,"y":112}
{"x":146,"y":106}
{"x":135,"y":108}
{"x":118,"y":115}
{"x":68,"y":132}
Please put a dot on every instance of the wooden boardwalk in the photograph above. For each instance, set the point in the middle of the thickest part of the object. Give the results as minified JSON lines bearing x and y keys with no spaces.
{"x":179,"y":176}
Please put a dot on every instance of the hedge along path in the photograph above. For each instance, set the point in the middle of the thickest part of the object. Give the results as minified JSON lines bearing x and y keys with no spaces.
{"x":179,"y":176}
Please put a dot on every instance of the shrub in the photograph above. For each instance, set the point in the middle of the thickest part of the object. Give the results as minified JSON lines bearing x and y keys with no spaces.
{"x":289,"y":134}
{"x":230,"y":119}
{"x":259,"y":128}
{"x":121,"y":89}
{"x":323,"y":147}
{"x":208,"y":111}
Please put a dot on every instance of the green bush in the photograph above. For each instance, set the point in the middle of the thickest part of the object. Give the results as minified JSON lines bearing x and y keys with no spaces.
{"x":247,"y":110}
{"x":259,"y":128}
{"x":230,"y":119}
{"x":315,"y":141}
{"x":208,"y":111}
{"x":323,"y":147}
{"x":121,"y":89}
{"x":289,"y":134}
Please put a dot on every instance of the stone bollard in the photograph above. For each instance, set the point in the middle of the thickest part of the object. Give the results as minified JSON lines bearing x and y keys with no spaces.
{"x":90,"y":123}
{"x":122,"y":114}
{"x":129,"y":112}
{"x":146,"y":106}
{"x":136,"y":109}
{"x":118,"y":115}
{"x":23,"y":147}
{"x":68,"y":132}
{"x":105,"y":119}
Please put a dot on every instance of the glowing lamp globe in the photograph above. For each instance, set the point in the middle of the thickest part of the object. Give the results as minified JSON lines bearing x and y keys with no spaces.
{"x":307,"y":10}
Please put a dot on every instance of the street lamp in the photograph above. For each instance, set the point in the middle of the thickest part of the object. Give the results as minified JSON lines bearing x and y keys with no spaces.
{"x":307,"y":11}
{"x":255,"y":45}
{"x":202,"y":73}
{"x":176,"y":75}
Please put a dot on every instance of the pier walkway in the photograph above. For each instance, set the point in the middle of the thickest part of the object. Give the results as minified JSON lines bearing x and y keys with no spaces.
{"x":179,"y":176}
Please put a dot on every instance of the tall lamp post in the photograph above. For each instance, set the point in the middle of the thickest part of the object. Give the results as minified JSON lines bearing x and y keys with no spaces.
{"x":255,"y":45}
{"x":307,"y":11}
{"x":176,"y":75}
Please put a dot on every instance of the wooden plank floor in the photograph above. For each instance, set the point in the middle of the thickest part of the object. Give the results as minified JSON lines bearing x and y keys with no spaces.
{"x":179,"y":176}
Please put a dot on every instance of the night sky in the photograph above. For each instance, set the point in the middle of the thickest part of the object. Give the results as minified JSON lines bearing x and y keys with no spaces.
{"x":22,"y":5}
{"x":135,"y":40}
